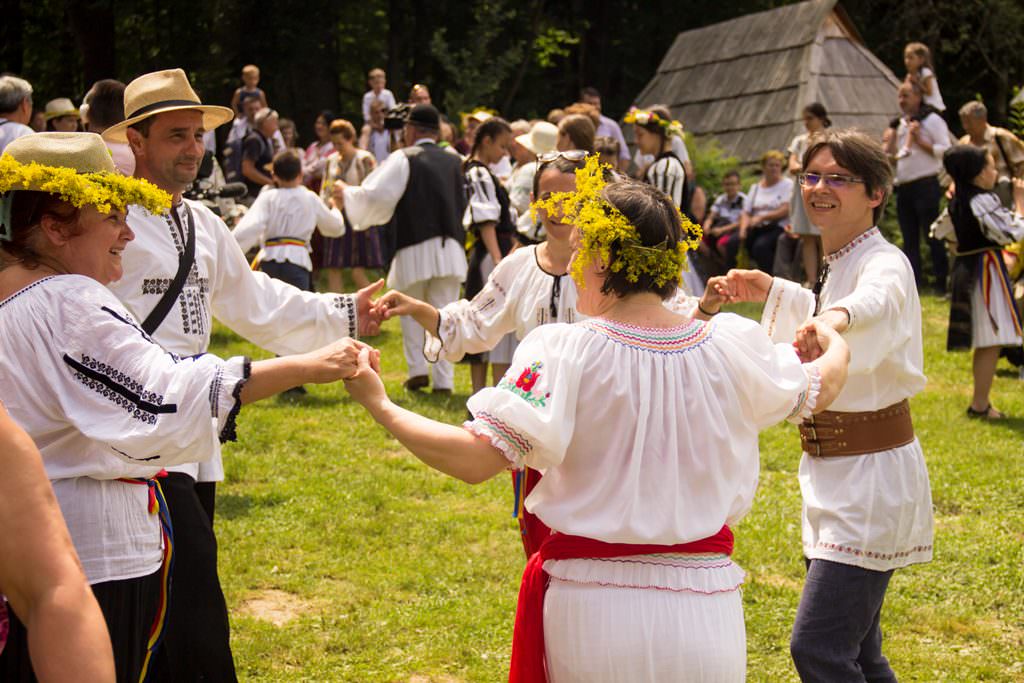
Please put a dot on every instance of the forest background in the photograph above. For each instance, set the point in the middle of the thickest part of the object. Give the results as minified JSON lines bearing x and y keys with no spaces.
{"x":521,"y":57}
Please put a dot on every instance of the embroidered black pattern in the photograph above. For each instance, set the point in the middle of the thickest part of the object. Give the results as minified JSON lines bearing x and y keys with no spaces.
{"x":118,"y":450}
{"x":215,"y":385}
{"x":192,"y":303}
{"x":229,"y":433}
{"x":346,"y":303}
{"x":120,"y":389}
{"x":20,"y":292}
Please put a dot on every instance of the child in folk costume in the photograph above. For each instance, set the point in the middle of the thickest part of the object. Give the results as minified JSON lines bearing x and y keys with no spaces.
{"x":983,"y":315}
{"x":866,"y":498}
{"x":655,"y":130}
{"x":530,"y":288}
{"x":640,"y":486}
{"x":492,"y":222}
{"x":282,"y":221}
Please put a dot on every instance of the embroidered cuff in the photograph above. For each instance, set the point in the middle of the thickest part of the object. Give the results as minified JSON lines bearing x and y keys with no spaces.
{"x":512,"y":444}
{"x":231,"y":378}
{"x":346,"y":303}
{"x":808,"y":398}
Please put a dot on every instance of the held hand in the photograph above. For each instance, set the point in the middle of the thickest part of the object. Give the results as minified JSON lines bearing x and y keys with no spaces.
{"x":748,"y":285}
{"x":338,"y":193}
{"x":365,"y":385}
{"x":396,"y":303}
{"x":914,"y":130}
{"x":335,"y":361}
{"x":369,"y":316}
{"x":716,"y":294}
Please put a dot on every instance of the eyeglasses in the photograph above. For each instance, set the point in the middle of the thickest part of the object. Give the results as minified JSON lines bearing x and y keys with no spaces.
{"x":834,"y":181}
{"x":568,"y":155}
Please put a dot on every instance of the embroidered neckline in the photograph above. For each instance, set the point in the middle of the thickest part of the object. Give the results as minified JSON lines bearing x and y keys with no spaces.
{"x":853,"y":244}
{"x":24,"y":289}
{"x":667,"y":340}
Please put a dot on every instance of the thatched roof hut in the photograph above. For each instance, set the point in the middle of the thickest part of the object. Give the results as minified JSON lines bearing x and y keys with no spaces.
{"x":745,"y":81}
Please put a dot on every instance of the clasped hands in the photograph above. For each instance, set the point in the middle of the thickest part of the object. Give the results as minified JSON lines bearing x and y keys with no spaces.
{"x":812,"y":338}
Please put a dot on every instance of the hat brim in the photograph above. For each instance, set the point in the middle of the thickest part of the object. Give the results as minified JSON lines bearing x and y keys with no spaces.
{"x":57,"y":114}
{"x":527,"y":141}
{"x":213,"y":116}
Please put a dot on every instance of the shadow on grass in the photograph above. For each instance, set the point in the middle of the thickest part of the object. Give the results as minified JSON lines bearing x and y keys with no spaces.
{"x":235,"y":505}
{"x":309,"y":400}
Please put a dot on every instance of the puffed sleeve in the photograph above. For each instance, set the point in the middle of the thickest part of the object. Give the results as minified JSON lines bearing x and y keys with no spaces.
{"x":773,"y":385}
{"x":998,"y":223}
{"x":251,"y":229}
{"x":531,"y":414}
{"x":477,"y":325}
{"x":271,"y":313}
{"x":120,"y":388}
{"x":483,"y":206}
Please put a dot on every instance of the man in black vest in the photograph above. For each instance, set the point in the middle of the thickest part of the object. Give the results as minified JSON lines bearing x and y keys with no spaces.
{"x":419,"y":194}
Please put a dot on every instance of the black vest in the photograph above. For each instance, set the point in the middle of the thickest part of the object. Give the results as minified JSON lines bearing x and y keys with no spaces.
{"x":969,"y":235}
{"x":434,"y":199}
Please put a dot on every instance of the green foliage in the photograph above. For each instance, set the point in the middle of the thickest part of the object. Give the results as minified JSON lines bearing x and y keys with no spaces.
{"x":378,"y":570}
{"x":711,"y":163}
{"x":1015,"y":119}
{"x":551,"y":43}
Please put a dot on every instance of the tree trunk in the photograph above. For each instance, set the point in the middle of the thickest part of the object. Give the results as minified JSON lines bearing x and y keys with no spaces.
{"x":92,"y":24}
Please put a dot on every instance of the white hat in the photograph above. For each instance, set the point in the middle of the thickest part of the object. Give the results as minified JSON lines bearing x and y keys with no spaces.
{"x":61,"y":106}
{"x":542,"y":138}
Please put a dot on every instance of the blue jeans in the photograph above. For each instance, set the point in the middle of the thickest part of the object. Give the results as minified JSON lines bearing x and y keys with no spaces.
{"x":836,"y":636}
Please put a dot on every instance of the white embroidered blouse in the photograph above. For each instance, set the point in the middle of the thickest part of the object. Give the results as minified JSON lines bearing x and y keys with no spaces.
{"x":644,"y":435}
{"x":872,"y":511}
{"x":270,"y":313}
{"x":101,"y":400}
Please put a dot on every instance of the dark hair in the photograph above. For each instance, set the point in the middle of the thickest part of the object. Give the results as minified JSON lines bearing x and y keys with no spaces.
{"x":491,"y":128}
{"x":143,"y":126}
{"x":106,"y":103}
{"x":606,"y":145}
{"x":560,"y":164}
{"x":817,"y":110}
{"x":656,"y":220}
{"x":287,"y":165}
{"x":731,"y":173}
{"x":580,"y":129}
{"x":327,"y":115}
{"x":861,"y":155}
{"x":589,"y":91}
{"x":27,"y":211}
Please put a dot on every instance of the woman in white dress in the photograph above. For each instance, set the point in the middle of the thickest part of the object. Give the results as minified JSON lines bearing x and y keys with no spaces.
{"x":816,"y":120}
{"x":105,"y":405}
{"x":983,"y":315}
{"x":646,"y":425}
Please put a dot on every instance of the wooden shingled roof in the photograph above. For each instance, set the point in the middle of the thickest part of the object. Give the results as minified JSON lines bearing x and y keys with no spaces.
{"x":745,"y":81}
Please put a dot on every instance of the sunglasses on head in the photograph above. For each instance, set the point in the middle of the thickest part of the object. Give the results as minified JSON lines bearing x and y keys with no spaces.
{"x":568,"y":155}
{"x":832,"y":180}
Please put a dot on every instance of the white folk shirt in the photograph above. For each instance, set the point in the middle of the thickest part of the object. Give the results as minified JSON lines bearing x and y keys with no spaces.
{"x":270,"y":313}
{"x":872,"y":511}
{"x":293,"y":212}
{"x":101,"y":400}
{"x":919,"y":163}
{"x":644,"y":435}
{"x":374,"y":203}
{"x":518,"y":297}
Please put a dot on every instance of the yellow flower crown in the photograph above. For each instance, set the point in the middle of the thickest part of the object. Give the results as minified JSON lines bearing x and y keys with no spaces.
{"x":644,"y":117}
{"x":601,"y":226}
{"x":105,"y":191}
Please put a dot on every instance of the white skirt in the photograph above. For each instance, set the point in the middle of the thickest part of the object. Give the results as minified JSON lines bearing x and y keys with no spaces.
{"x":685,"y":625}
{"x":984,"y":334}
{"x":435,"y":258}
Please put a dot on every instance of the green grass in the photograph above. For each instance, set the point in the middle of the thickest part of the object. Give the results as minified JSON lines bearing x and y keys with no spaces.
{"x":376,"y":568}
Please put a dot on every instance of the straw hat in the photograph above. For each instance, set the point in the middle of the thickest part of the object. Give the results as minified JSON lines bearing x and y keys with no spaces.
{"x":541,"y":139}
{"x":61,"y":106}
{"x":77,"y":167}
{"x":159,"y":92}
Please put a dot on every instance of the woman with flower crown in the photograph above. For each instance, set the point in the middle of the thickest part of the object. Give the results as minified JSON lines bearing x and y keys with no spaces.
{"x":105,"y":405}
{"x":646,"y":424}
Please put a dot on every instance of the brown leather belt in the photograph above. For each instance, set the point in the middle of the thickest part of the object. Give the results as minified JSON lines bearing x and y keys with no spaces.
{"x":832,"y":433}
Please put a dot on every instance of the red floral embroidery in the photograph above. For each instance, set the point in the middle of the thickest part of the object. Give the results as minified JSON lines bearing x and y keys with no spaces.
{"x":529,"y":377}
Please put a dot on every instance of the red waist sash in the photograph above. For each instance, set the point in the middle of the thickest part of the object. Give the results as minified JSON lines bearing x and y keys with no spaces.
{"x":528,"y":636}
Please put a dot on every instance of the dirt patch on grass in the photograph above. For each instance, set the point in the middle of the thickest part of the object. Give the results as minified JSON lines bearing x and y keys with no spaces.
{"x":276,"y":606}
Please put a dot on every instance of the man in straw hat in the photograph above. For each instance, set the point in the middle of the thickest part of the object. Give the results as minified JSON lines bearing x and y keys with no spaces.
{"x":183,"y":268}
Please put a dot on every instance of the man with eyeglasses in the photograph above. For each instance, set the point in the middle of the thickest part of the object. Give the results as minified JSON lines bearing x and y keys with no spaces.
{"x":867,"y":507}
{"x":418,"y":194}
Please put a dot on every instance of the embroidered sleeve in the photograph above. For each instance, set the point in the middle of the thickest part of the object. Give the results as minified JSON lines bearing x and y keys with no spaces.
{"x":999,"y":224}
{"x":483,"y":204}
{"x":808,"y":398}
{"x":530,"y":415}
{"x":787,"y":307}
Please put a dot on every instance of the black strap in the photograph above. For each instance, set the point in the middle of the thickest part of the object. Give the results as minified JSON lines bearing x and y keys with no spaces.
{"x":822,"y":277}
{"x":1006,"y":159}
{"x":185,"y":261}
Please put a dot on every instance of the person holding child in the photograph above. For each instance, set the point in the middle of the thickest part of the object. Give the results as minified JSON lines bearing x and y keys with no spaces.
{"x":918,"y":60}
{"x":646,"y":425}
{"x":983,"y":315}
{"x":377,"y":79}
{"x":250,"y":89}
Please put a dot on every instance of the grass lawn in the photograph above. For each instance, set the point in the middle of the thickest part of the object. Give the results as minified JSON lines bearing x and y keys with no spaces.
{"x":345,"y":559}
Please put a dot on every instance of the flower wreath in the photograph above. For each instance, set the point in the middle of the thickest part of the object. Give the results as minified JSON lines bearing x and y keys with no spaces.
{"x":601,"y":226}
{"x":643,"y":117}
{"x":102,"y":190}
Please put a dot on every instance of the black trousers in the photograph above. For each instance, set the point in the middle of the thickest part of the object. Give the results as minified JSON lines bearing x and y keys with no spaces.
{"x":917,"y":207}
{"x":128,"y":606}
{"x":197,"y":640}
{"x":295,"y":275}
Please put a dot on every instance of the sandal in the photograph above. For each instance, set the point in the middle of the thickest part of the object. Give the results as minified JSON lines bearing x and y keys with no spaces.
{"x":989,"y":413}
